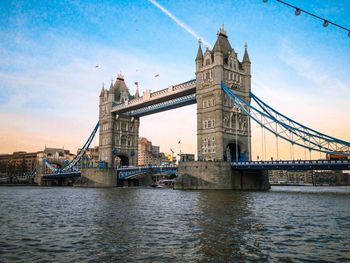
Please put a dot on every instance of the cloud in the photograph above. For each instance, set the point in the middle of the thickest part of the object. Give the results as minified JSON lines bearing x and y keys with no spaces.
{"x":56,"y":102}
{"x":310,"y":68}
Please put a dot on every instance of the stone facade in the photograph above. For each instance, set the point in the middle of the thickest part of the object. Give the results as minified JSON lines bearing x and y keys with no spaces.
{"x":223,"y":132}
{"x":219,"y":176}
{"x":118,"y":133}
{"x":95,"y":177}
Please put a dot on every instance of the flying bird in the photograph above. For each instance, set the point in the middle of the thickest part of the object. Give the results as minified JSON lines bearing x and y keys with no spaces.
{"x":96,"y":66}
{"x":156,"y":76}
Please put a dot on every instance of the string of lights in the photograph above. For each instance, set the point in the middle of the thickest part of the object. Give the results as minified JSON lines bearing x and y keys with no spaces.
{"x":298,"y":11}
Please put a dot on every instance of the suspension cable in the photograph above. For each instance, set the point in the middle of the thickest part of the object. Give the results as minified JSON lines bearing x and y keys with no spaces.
{"x":303,"y":137}
{"x":236,"y":135}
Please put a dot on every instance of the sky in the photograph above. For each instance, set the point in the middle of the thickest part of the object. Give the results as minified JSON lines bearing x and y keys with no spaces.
{"x":49,"y":83}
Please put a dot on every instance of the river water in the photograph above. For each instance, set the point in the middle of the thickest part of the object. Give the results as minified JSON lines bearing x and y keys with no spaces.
{"x":286,"y":224}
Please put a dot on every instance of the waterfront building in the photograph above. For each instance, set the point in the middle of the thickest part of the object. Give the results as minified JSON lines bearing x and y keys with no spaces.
{"x":309,"y":177}
{"x":332,"y":178}
{"x":293,"y":177}
{"x":278,"y":176}
{"x":17,"y":164}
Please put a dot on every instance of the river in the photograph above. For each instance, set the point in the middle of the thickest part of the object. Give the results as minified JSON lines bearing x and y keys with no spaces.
{"x":62,"y":224}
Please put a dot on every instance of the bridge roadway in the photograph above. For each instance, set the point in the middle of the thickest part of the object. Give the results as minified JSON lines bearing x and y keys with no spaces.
{"x":124,"y":173}
{"x":166,"y":99}
{"x":62,"y":175}
{"x":293,"y":165}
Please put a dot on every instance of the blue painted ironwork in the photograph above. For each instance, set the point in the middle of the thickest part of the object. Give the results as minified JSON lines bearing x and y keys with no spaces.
{"x":71,"y":165}
{"x":164,"y":106}
{"x":293,"y":165}
{"x":62,"y":175}
{"x":130,"y":172}
{"x":323,"y":139}
{"x":288,"y":129}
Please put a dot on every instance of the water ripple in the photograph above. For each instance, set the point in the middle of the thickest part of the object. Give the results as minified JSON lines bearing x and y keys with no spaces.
{"x":161,"y":225}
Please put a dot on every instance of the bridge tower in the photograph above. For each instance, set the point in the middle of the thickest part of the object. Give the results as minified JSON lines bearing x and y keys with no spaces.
{"x":223,"y":132}
{"x":118,"y":133}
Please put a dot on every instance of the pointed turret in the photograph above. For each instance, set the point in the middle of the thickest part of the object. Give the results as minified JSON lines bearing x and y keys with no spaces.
{"x":199,"y":52}
{"x":222,"y":44}
{"x":102,"y":90}
{"x":246,"y":56}
{"x":246,"y":67}
{"x":111,"y":88}
{"x":199,"y":58}
{"x":137,"y":95}
{"x":121,"y":90}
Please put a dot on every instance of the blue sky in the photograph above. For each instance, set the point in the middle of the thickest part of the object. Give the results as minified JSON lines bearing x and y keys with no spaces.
{"x":49,"y":85}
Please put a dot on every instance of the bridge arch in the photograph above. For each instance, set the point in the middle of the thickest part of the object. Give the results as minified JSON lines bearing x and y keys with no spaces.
{"x":235,"y":152}
{"x":121,"y":160}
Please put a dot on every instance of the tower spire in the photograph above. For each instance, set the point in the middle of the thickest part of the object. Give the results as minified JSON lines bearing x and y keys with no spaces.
{"x":199,"y":52}
{"x":102,"y":90}
{"x":222,"y":44}
{"x":246,"y":56}
{"x":137,"y":95}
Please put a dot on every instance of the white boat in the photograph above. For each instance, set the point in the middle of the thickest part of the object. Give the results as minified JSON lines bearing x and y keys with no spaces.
{"x":165,"y":183}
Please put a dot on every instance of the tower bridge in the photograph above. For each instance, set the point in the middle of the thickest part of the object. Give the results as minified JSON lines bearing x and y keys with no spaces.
{"x":222,"y":91}
{"x":218,"y":136}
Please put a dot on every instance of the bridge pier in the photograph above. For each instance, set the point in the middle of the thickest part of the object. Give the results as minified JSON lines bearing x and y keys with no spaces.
{"x":97,"y":177}
{"x":219,"y":175}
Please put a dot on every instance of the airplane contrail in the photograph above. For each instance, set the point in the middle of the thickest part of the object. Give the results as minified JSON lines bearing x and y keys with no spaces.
{"x":179,"y":23}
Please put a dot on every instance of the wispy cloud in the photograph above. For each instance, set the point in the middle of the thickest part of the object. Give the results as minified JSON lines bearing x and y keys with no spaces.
{"x":311,"y":69}
{"x":179,"y":22}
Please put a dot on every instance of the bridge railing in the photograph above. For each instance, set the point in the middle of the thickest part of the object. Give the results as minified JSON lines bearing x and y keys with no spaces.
{"x":293,"y":162}
{"x":159,"y":93}
{"x":133,"y":101}
{"x":129,"y":172}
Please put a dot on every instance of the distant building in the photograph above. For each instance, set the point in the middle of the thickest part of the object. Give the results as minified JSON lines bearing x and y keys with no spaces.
{"x":155,"y":149}
{"x":17,"y":164}
{"x":278,"y":176}
{"x":58,"y":157}
{"x":150,"y":154}
{"x":21,"y":163}
{"x":145,"y":155}
{"x":90,"y":158}
{"x":309,"y":177}
{"x":293,"y":177}
{"x":186,"y":157}
{"x":331,"y":178}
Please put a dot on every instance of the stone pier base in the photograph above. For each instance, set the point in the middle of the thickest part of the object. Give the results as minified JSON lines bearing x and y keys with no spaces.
{"x":96,"y":177}
{"x":219,"y":175}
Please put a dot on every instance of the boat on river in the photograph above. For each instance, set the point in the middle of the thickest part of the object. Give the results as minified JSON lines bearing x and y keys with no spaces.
{"x":165,"y":183}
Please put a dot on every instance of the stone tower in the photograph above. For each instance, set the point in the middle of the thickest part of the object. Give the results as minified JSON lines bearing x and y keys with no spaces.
{"x":118,"y":134}
{"x":223,"y":132}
